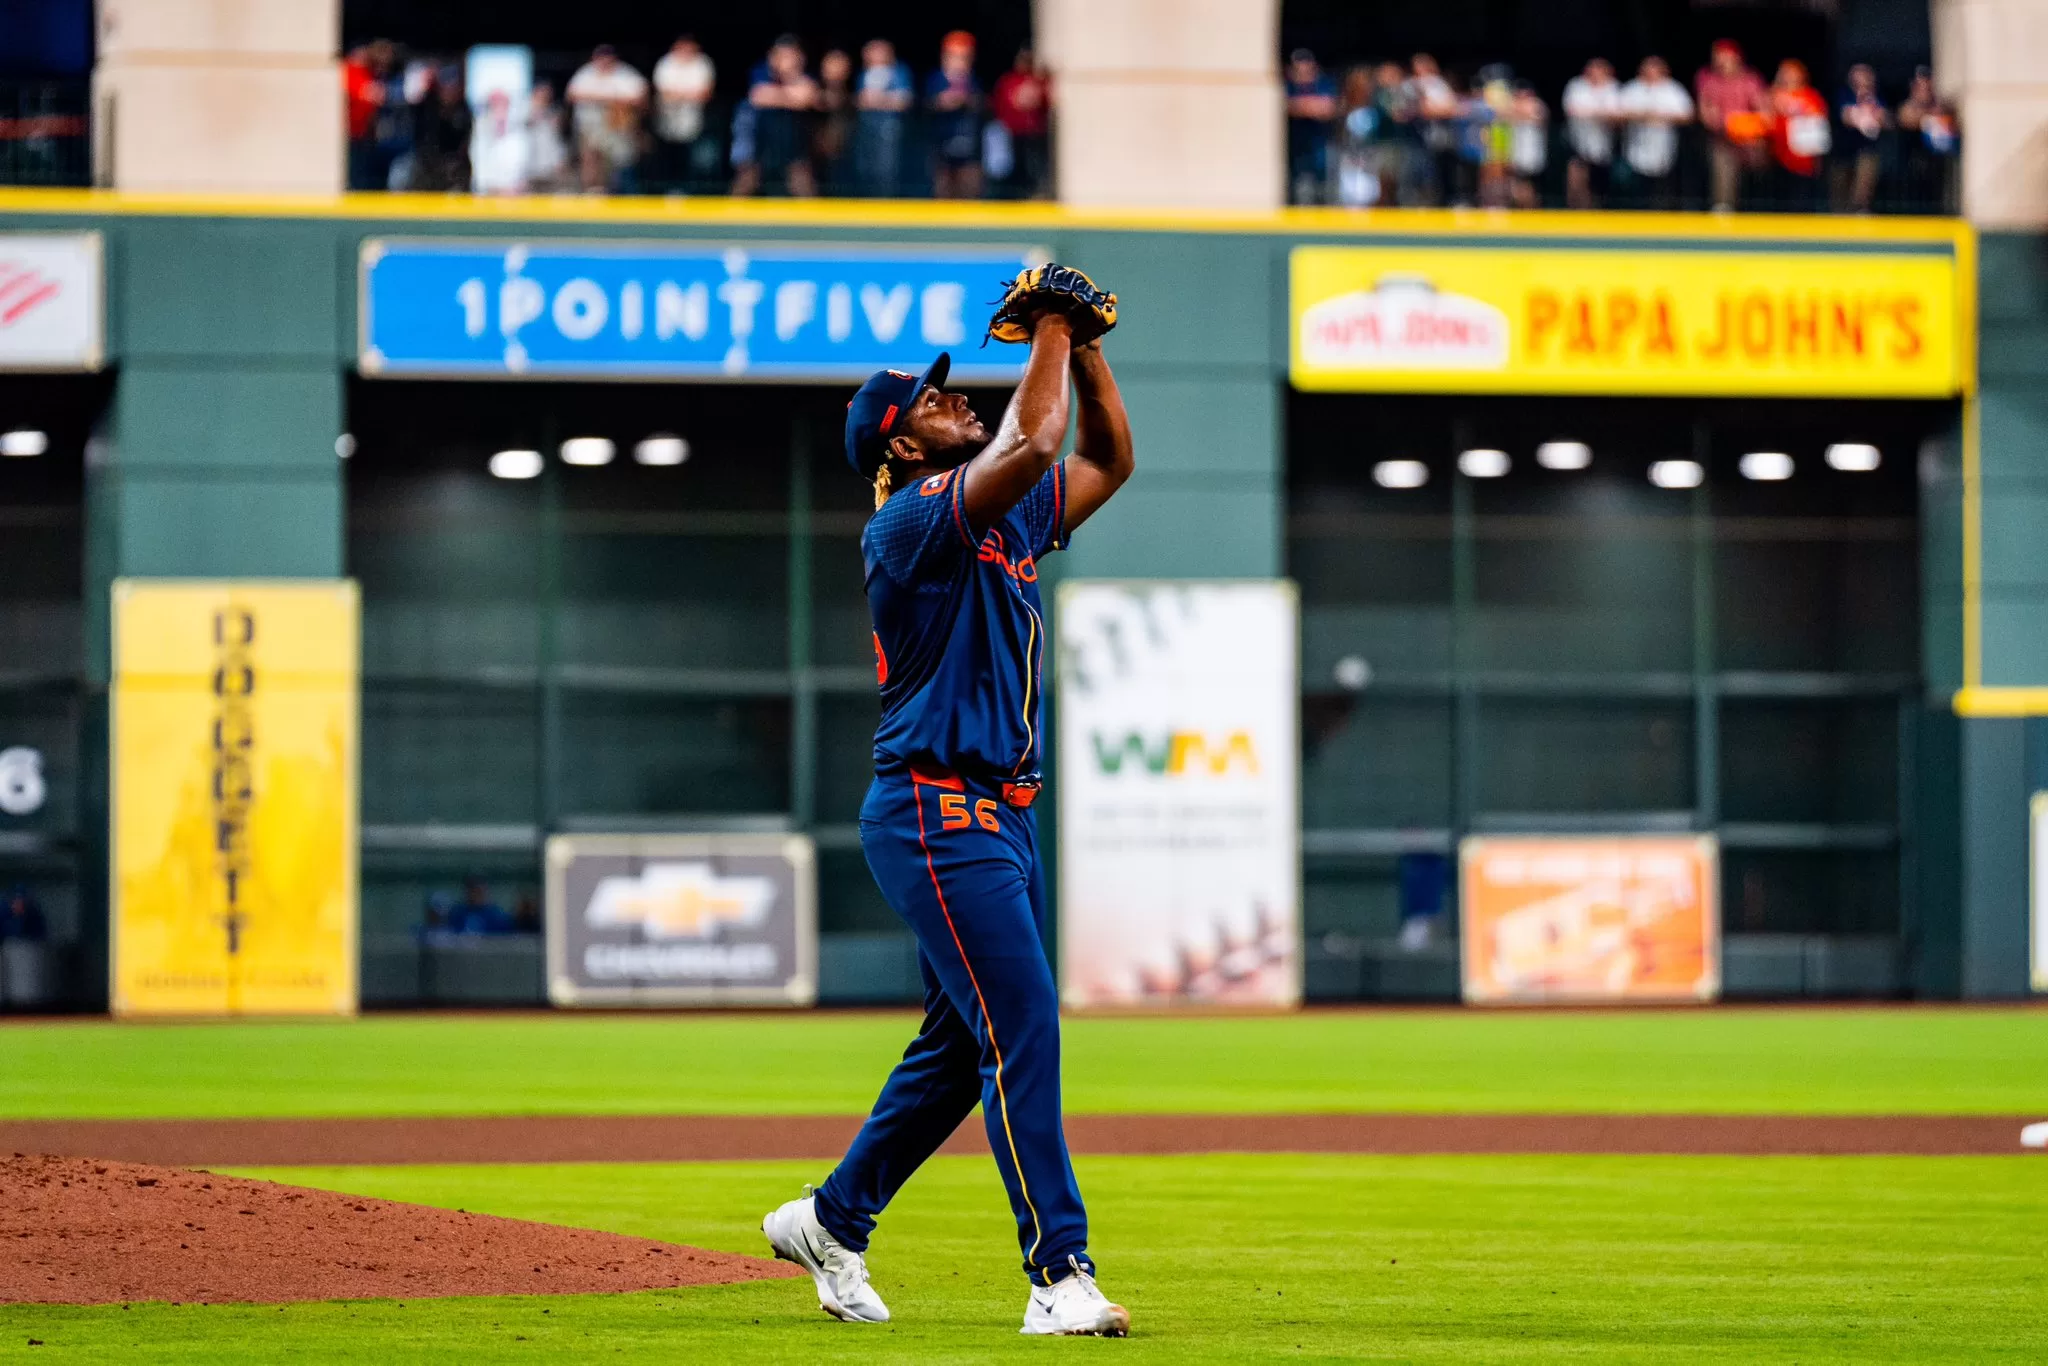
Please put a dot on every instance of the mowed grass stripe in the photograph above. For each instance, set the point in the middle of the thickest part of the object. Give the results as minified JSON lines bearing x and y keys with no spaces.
{"x":1426,"y":1259}
{"x":1921,"y":1060}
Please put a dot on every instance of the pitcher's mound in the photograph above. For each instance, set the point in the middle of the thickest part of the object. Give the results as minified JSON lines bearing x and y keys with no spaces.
{"x":79,"y":1231}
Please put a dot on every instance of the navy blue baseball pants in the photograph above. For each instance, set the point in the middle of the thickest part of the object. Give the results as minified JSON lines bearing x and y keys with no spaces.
{"x":961,"y":868}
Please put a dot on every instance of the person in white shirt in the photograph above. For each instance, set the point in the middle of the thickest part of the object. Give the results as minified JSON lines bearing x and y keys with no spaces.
{"x":547,"y":151}
{"x":683,"y":81}
{"x":1656,"y":107}
{"x":1592,"y":111}
{"x":499,"y":151}
{"x":607,"y":96}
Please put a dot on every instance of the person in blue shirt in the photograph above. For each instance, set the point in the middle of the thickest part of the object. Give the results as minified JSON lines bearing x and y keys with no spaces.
{"x":1311,"y":106}
{"x":954,"y":98}
{"x":882,"y":99}
{"x":962,"y":517}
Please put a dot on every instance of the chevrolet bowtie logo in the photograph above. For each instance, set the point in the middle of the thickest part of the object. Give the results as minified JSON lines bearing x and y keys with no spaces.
{"x":679,"y":901}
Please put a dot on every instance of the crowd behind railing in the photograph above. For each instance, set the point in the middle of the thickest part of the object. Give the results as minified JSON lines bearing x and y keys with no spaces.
{"x":1416,"y":135}
{"x":863,"y":125}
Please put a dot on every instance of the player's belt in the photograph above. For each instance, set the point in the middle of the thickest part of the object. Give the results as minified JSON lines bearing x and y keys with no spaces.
{"x":1018,"y":794}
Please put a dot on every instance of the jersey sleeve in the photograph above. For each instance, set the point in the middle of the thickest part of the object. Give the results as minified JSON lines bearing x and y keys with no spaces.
{"x":920,"y":533}
{"x":1044,"y":510}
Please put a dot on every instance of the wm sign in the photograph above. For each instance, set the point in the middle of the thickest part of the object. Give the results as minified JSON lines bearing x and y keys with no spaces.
{"x":1175,"y":753}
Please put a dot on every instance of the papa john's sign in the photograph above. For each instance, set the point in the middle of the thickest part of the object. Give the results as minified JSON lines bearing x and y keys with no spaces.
{"x":1812,"y":323}
{"x":52,"y":301}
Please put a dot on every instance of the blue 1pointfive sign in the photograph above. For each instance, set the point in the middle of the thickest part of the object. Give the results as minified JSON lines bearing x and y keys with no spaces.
{"x":686,"y":311}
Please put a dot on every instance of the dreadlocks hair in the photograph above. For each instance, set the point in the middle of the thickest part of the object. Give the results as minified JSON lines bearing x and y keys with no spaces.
{"x":884,"y":482}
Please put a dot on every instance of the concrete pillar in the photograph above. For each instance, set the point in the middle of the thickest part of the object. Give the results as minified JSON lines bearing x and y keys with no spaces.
{"x":236,"y":95}
{"x":1167,"y":102}
{"x":1988,"y":59}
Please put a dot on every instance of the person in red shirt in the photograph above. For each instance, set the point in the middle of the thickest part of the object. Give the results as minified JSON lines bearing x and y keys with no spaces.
{"x":1800,"y":136}
{"x":1023,"y":105}
{"x":365,"y":86}
{"x":1734,"y":112}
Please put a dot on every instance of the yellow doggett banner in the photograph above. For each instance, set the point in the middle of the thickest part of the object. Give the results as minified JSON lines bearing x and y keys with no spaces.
{"x":234,"y":801}
{"x":1536,"y":320}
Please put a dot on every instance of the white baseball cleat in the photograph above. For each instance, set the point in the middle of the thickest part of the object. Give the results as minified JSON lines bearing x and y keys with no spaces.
{"x":1076,"y":1307}
{"x":841,"y":1273}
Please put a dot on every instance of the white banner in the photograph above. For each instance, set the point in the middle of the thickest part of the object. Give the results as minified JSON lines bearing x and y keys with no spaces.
{"x":51,"y":301}
{"x":1179,"y":805}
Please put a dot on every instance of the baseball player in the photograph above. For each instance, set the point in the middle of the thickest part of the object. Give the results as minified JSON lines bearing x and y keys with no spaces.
{"x":962,"y":516}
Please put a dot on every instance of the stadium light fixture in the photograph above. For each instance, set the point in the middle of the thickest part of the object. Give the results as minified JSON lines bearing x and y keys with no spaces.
{"x":1483,"y":463}
{"x":1854,"y":457}
{"x":588,"y":450}
{"x":662,"y":449}
{"x":1564,"y":455}
{"x":516,"y":464}
{"x":1677,"y":474}
{"x":1766,"y":466}
{"x":24,"y":442}
{"x":1400,"y":474}
{"x":344,"y":446}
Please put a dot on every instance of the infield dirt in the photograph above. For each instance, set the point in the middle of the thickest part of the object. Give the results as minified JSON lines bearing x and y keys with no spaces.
{"x":352,"y":1140}
{"x":85,"y":1231}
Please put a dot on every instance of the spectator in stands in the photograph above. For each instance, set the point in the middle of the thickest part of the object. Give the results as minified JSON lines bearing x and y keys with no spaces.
{"x":1439,"y":110}
{"x":884,"y":96}
{"x":441,"y":134}
{"x":499,"y":150}
{"x":547,"y":151}
{"x":1933,"y":140}
{"x":1656,"y":107}
{"x":1735,"y":111}
{"x":1023,"y":106}
{"x":21,"y":918}
{"x":953,"y":97}
{"x":780,"y":97}
{"x":684,"y":80}
{"x":1592,"y":114}
{"x":476,"y":913}
{"x":362,"y":88}
{"x":1403,"y":170}
{"x":1800,"y":137}
{"x":1311,"y":108}
{"x":1861,"y":121}
{"x":832,"y":131}
{"x":1528,"y":145}
{"x":23,"y":950}
{"x":1354,"y":143}
{"x":608,"y":97}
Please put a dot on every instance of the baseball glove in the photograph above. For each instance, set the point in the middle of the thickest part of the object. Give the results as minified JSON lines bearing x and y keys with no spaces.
{"x":1059,"y":288}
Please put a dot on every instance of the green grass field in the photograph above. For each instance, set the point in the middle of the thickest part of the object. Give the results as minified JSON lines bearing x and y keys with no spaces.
{"x":1220,"y":1258}
{"x":1828,"y":1061}
{"x":1231,"y":1258}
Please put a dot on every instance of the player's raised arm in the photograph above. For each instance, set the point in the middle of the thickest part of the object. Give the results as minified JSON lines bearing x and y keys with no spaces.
{"x":1102,"y":458}
{"x":1028,"y":442}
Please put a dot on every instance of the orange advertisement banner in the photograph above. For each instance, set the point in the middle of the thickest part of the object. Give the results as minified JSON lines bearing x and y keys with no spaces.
{"x":1600,"y":918}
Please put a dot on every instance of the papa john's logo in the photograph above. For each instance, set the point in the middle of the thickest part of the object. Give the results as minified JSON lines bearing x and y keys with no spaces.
{"x":23,"y":289}
{"x":1403,"y":323}
{"x":679,"y":901}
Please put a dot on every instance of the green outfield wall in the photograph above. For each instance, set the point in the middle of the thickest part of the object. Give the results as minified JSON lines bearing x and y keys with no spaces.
{"x":232,"y":337}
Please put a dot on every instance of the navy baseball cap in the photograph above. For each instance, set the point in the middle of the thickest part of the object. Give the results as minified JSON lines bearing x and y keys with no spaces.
{"x":879,"y":405}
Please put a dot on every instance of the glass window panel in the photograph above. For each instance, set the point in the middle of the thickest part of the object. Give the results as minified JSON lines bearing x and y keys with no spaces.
{"x":453,"y":755}
{"x":1809,"y":892}
{"x":634,"y":754}
{"x":1375,"y":761}
{"x":1831,"y":761}
{"x":1555,"y":756}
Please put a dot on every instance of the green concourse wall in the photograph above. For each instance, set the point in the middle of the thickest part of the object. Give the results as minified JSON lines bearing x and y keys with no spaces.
{"x":233,"y":334}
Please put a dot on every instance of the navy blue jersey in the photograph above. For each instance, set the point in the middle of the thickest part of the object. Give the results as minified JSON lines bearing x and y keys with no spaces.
{"x":959,"y":634}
